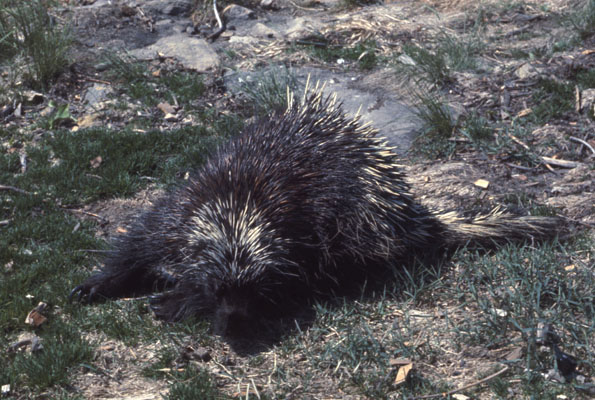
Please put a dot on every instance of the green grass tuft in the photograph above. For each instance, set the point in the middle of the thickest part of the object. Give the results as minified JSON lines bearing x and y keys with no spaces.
{"x":267,"y":92}
{"x":30,"y":29}
{"x":194,"y":384}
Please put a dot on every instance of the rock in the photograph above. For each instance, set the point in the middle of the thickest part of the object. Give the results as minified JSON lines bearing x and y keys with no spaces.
{"x":96,"y":94}
{"x":406,"y":59}
{"x":178,"y":8}
{"x":193,"y":53}
{"x":301,"y":26}
{"x":269,"y":4}
{"x":171,"y":7}
{"x":31,"y":97}
{"x":261,"y":30}
{"x":102,"y":66}
{"x":243,"y":40}
{"x":526,"y":71}
{"x":588,"y":102}
{"x":235,"y":12}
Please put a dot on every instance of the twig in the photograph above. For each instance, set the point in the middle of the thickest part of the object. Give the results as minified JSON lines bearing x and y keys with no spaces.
{"x":221,"y":24}
{"x":583,"y":142}
{"x":14,"y":189}
{"x":99,"y":217}
{"x":446,"y":394}
{"x":511,"y":165}
{"x":89,"y":79}
{"x":548,"y":160}
{"x":560,"y":163}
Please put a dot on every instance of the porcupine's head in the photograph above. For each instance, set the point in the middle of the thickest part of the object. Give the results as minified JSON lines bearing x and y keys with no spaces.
{"x":240,"y":263}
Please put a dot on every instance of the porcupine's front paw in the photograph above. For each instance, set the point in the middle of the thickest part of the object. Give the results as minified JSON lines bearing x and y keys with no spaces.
{"x":93,"y":289}
{"x":166,"y":306}
{"x":181,"y":302}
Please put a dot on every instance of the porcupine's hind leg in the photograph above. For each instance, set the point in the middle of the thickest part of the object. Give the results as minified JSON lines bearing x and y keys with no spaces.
{"x":133,"y":267}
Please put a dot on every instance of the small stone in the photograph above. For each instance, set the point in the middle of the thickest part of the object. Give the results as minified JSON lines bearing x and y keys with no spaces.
{"x":178,"y":8}
{"x":32,"y":97}
{"x":102,"y":66}
{"x":269,"y":4}
{"x":238,"y":13}
{"x":588,"y":102}
{"x":18,"y":112}
{"x":527,"y":71}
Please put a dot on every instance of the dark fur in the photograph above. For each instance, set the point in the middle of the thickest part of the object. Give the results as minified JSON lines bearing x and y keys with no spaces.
{"x":304,"y":203}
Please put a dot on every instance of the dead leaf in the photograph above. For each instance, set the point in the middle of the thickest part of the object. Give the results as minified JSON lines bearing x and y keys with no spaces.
{"x":587,"y":52}
{"x":35,"y":318}
{"x":482,"y":183}
{"x":166,"y":108}
{"x":156,"y":73}
{"x":515,"y":354}
{"x":394,"y":362}
{"x":403,"y":373}
{"x":87,"y":120}
{"x":570,"y":267}
{"x":170,"y":118}
{"x":121,"y":229}
{"x":96,"y":162}
{"x":524,"y":112}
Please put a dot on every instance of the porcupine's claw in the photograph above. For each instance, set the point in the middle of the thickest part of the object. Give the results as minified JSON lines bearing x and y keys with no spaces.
{"x":156,"y":305}
{"x":82,"y":291}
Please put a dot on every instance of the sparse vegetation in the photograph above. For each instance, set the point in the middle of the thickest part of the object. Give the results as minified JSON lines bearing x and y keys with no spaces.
{"x":362,"y":54}
{"x":267,"y":92}
{"x":583,"y":19}
{"x":457,"y":322}
{"x":30,"y":30}
{"x":435,"y":65}
{"x":438,"y":125}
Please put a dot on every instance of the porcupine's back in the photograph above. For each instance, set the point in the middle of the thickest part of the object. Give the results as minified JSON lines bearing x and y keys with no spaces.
{"x":301,"y":201}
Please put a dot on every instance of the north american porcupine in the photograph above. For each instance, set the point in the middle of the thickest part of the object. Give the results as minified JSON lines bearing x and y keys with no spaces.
{"x":302,"y":203}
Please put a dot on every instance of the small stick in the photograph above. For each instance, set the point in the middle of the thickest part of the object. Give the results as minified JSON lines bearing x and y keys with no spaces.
{"x":14,"y":189}
{"x":511,"y":165}
{"x":221,"y":24}
{"x":583,"y":142}
{"x":446,"y":394}
{"x":559,"y":162}
{"x":87,"y":213}
{"x":88,"y":78}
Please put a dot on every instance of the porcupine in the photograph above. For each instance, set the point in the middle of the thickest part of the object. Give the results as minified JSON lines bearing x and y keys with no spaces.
{"x":299,"y":204}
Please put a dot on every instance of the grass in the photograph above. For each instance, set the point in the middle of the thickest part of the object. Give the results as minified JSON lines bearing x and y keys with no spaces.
{"x":266,"y":92}
{"x":362,"y":54}
{"x":583,"y":19}
{"x":475,"y":309}
{"x":185,"y":88}
{"x":436,"y":64}
{"x":45,"y":250}
{"x":194,"y":384}
{"x":437,"y":125}
{"x":31,"y":30}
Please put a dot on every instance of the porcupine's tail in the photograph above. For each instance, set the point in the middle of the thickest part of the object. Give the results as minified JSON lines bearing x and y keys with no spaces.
{"x":496,"y":228}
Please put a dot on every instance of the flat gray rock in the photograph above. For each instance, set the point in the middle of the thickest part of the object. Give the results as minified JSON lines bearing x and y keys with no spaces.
{"x":395,"y":121}
{"x":193,"y":53}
